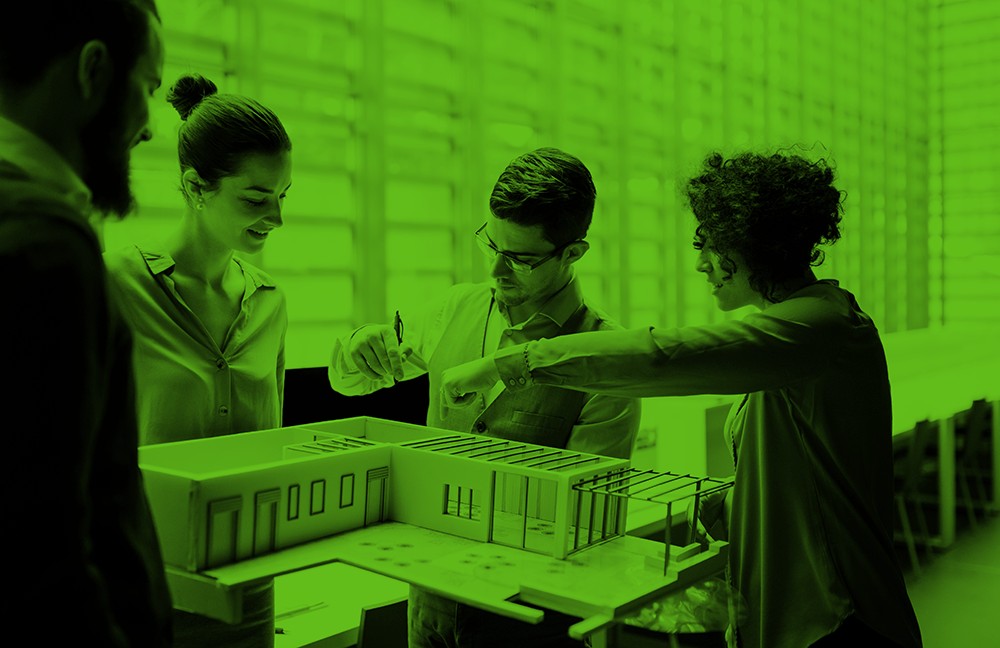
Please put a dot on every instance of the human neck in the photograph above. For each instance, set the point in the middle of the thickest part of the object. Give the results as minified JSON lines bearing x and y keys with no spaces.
{"x":36,"y":113}
{"x":788,"y":288}
{"x":198,"y":255}
{"x":528,"y":309}
{"x":522,"y":313}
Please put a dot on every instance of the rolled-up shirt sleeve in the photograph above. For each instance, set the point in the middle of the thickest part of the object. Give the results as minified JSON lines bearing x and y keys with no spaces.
{"x":607,"y":426}
{"x":788,"y":343}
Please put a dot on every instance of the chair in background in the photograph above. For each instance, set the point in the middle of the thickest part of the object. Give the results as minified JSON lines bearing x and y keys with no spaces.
{"x":912,"y":469}
{"x":383,"y":626}
{"x":310,"y":399}
{"x":972,"y":445}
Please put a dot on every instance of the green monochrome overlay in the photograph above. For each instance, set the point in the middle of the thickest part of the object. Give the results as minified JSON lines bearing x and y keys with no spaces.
{"x":717,"y":282}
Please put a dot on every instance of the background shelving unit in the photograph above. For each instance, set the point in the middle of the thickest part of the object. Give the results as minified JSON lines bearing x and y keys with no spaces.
{"x":404,"y":112}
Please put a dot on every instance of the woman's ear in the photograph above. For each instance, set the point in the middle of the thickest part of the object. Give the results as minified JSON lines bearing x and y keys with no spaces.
{"x":194,"y":186}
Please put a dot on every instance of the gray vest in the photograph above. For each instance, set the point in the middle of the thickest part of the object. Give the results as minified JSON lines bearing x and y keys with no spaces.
{"x":542,"y":415}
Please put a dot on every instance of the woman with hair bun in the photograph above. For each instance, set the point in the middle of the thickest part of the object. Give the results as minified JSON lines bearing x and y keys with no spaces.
{"x":809,"y":518}
{"x":209,"y":327}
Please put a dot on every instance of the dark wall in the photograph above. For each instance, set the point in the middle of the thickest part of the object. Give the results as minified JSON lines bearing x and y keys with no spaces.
{"x":309,"y":399}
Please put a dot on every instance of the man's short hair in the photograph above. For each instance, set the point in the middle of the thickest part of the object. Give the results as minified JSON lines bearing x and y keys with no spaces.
{"x":40,"y":32}
{"x":550,"y":188}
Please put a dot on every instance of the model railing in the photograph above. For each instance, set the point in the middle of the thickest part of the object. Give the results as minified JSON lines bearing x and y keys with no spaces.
{"x":658,"y":487}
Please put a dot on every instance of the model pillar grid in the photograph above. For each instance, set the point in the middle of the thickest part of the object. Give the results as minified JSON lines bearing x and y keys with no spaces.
{"x":221,"y":500}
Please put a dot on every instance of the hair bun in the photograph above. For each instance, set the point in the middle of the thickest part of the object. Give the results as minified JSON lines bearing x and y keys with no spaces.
{"x":188,"y":92}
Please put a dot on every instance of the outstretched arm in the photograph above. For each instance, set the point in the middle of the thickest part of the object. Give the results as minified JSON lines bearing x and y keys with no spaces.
{"x":782,"y":346}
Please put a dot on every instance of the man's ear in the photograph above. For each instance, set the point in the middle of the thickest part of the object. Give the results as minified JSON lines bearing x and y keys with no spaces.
{"x":95,"y":71}
{"x":575,"y":251}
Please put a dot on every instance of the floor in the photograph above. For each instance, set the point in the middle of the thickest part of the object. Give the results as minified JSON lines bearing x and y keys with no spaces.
{"x":957,"y":599}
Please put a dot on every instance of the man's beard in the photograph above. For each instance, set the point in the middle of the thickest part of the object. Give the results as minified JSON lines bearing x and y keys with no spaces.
{"x":512,"y":300}
{"x":106,"y":158}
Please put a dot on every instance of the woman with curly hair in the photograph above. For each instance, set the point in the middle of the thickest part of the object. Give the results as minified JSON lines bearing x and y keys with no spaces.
{"x":809,"y":518}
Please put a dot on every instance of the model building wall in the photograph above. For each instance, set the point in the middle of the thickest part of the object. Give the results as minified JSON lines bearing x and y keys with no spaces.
{"x":422,"y":484}
{"x":502,"y":491}
{"x":220,"y":500}
{"x":217,"y":517}
{"x":374,"y":429}
{"x":227,"y":453}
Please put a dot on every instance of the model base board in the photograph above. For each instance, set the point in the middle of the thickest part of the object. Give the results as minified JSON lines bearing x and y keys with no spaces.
{"x":606,"y":581}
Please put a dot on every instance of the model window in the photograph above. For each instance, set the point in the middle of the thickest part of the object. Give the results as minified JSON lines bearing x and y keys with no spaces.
{"x":347,"y":490}
{"x":461,"y":502}
{"x":317,"y":500}
{"x":293,"y":502}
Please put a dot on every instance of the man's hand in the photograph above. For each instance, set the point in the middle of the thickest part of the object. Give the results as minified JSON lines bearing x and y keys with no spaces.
{"x":462,"y":384}
{"x":376,"y":353}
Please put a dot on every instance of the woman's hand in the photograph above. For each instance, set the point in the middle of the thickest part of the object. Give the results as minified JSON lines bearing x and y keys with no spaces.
{"x":713,"y":515}
{"x":461,"y":385}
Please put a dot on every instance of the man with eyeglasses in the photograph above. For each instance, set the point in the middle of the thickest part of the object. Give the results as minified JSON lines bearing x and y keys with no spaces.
{"x":541,"y":208}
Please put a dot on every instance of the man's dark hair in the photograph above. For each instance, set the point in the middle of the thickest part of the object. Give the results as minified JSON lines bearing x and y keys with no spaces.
{"x":772,"y":210}
{"x":39,"y":32}
{"x":221,"y":130}
{"x":546,"y":187}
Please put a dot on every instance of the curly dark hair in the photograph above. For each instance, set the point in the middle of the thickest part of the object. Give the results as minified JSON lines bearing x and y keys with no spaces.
{"x":547,"y":187}
{"x":772,"y":210}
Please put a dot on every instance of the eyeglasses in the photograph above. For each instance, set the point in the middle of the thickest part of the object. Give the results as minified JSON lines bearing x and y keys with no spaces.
{"x":515,"y":264}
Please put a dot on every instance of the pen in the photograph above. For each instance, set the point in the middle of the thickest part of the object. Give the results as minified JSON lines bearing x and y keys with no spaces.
{"x":308,"y":608}
{"x":397,"y":324}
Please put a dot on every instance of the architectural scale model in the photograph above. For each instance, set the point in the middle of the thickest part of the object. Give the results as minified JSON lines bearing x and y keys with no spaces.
{"x":416,"y":504}
{"x":224,"y":499}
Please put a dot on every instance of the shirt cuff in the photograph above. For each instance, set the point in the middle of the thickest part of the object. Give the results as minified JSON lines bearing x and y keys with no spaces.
{"x":512,"y":363}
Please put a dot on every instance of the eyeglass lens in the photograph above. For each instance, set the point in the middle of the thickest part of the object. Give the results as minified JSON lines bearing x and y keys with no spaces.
{"x":516,"y":266}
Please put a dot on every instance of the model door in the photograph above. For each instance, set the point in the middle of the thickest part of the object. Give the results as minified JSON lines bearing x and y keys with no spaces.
{"x":223,"y":531}
{"x":265,"y":523}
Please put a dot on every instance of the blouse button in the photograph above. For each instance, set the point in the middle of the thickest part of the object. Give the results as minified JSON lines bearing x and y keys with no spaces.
{"x":221,"y":363}
{"x":223,"y":410}
{"x":480,"y":427}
